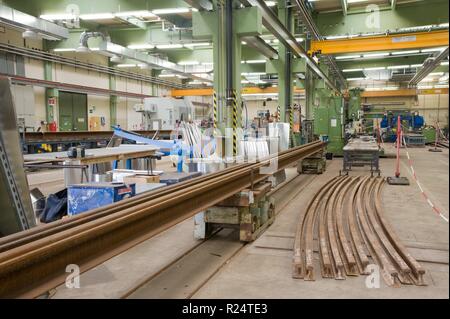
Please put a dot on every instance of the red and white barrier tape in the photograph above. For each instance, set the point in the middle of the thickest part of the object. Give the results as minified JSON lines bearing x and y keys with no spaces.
{"x":413,"y":173}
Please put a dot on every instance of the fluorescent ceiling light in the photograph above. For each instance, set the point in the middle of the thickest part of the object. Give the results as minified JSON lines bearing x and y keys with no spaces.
{"x":375,"y":55}
{"x":434,"y":49}
{"x":356,"y":1}
{"x":352,"y":70}
{"x":436,"y":74}
{"x":167,"y":75}
{"x":271,"y":3}
{"x":443,"y":25}
{"x":405,"y":52}
{"x":441,"y":86}
{"x":198,"y":44}
{"x":188,"y":63}
{"x":169,"y":46}
{"x":375,"y":68}
{"x":425,"y":86}
{"x":64,"y":50}
{"x":243,"y":43}
{"x":255,"y":61}
{"x":170,"y":11}
{"x":444,"y":63}
{"x":416,"y":65}
{"x":58,"y":16}
{"x":355,"y":79}
{"x":260,"y":94}
{"x":396,"y":67}
{"x":138,"y":14}
{"x":336,"y":37}
{"x":127,"y":65}
{"x":144,"y":46}
{"x":253,"y":73}
{"x":344,"y":57}
{"x":245,"y":82}
{"x":97,"y":16}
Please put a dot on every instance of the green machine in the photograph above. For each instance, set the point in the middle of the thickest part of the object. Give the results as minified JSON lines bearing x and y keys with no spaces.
{"x":329,"y":123}
{"x":354,"y":104}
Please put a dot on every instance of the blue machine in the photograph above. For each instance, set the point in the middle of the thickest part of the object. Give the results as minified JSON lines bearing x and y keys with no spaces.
{"x":167,"y":147}
{"x":411,"y":121}
{"x":415,"y":122}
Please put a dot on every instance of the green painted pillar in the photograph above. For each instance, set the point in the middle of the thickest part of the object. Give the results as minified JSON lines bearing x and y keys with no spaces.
{"x":285,"y":78}
{"x":51,"y":94}
{"x":112,"y":101}
{"x":309,"y":94}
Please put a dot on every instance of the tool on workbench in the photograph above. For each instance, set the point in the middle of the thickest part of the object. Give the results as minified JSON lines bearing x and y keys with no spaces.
{"x":397,"y":179}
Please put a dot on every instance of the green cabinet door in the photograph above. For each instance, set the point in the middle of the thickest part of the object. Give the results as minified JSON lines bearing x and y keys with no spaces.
{"x":65,"y":112}
{"x":72,"y":112}
{"x":80,"y":120}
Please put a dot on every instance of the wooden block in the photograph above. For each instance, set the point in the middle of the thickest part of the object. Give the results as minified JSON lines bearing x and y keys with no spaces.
{"x":141,"y":179}
{"x":222,"y":215}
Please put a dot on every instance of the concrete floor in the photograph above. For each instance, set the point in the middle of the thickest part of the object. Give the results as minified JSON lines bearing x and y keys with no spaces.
{"x":263,"y":269}
{"x":174,"y":265}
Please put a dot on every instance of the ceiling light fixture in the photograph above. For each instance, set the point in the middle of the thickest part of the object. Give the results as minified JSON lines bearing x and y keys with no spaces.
{"x":97,"y":16}
{"x":170,"y":11}
{"x":144,"y":46}
{"x":169,"y":46}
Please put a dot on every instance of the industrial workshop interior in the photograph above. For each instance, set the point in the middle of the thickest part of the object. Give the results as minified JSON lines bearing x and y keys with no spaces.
{"x":224,"y":150}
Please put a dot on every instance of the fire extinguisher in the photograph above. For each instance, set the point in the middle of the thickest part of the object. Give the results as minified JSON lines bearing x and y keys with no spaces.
{"x":52,"y":127}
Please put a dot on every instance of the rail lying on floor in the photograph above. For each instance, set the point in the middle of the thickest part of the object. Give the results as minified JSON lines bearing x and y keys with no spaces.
{"x":34,"y":261}
{"x":351,"y":231}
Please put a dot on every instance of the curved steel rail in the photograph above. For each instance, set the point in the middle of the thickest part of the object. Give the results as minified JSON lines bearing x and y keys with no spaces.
{"x":346,"y":216}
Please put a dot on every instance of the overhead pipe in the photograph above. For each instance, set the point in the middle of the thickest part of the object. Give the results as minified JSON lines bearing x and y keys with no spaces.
{"x":18,"y":19}
{"x":312,"y":28}
{"x":86,"y":35}
{"x":429,"y":65}
{"x":273,"y":24}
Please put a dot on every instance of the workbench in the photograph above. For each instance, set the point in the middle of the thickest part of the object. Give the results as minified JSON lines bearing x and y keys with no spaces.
{"x":76,"y":169}
{"x":361,"y":152}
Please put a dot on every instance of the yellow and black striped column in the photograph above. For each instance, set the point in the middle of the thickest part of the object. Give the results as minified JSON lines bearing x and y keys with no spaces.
{"x":215,"y":119}
{"x":278,"y":113}
{"x":235,"y":122}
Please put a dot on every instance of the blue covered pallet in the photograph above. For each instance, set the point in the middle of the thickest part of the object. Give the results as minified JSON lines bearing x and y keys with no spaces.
{"x":86,"y":197}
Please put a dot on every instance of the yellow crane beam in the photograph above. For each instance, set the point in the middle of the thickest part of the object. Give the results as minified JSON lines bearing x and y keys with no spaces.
{"x":403,"y":92}
{"x":210,"y":91}
{"x":382,"y":43}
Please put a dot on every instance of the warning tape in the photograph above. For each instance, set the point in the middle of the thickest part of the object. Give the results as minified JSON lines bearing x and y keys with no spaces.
{"x":414,"y":175}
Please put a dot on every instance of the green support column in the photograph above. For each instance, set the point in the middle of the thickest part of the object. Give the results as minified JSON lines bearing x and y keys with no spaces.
{"x":112,"y":101}
{"x":51,"y":95}
{"x":285,"y":67}
{"x":309,"y":94}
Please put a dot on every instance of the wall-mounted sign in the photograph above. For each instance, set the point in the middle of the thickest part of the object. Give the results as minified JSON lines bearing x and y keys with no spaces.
{"x":52,"y":101}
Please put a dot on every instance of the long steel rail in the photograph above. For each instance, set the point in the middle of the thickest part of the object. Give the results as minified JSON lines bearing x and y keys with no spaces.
{"x":35,"y":261}
{"x":346,"y":217}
